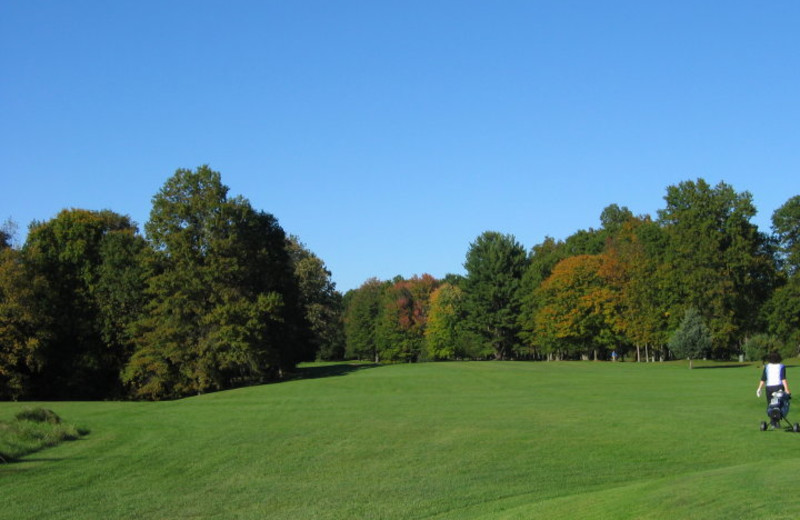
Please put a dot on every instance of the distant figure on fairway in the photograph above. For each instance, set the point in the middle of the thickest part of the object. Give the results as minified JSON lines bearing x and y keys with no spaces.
{"x":773,"y":376}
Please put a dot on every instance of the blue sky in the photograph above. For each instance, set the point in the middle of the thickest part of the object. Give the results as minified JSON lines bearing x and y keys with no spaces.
{"x":388,"y":135}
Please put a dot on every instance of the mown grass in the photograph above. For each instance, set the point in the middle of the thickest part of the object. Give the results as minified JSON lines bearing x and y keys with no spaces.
{"x":439,"y":440}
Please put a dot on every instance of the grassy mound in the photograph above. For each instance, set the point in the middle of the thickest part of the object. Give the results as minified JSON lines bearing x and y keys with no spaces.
{"x":34,"y":429}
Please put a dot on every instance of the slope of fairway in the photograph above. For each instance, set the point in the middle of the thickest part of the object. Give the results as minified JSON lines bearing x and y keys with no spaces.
{"x":445,"y":440}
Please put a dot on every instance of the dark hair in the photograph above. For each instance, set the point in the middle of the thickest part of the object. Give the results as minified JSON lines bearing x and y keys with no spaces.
{"x":774,"y":357}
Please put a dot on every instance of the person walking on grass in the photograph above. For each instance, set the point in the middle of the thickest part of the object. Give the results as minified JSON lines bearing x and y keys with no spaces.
{"x":773,"y":377}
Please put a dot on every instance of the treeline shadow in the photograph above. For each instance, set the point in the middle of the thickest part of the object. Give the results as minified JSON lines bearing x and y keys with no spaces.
{"x":731,"y":365}
{"x":332,"y":370}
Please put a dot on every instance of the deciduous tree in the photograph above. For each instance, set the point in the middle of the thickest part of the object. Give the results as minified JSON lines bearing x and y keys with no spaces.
{"x":782,"y":314}
{"x":80,"y":357}
{"x":786,"y":226}
{"x":639,"y":249}
{"x":403,"y":318}
{"x":362,"y":308}
{"x":720,"y":263}
{"x":580,"y":313}
{"x":446,"y":337}
{"x":22,"y":330}
{"x":543,"y":258}
{"x":223,"y":305}
{"x":321,"y":301}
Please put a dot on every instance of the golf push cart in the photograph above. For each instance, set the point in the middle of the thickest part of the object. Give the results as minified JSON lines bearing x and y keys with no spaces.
{"x":777,"y":410}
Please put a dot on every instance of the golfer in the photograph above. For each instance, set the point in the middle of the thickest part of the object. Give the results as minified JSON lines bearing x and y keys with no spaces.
{"x":773,"y":376}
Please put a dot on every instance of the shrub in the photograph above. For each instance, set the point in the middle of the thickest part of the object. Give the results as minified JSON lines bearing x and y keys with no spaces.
{"x":758,"y":346}
{"x":38,"y":415}
{"x":33,"y":430}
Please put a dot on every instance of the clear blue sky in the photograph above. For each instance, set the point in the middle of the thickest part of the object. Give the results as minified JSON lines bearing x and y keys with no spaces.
{"x":388,"y":135}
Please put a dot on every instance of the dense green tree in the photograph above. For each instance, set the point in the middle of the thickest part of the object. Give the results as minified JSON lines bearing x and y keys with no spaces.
{"x":719,"y":262}
{"x":585,"y":242}
{"x":79,"y":358}
{"x":692,"y":339}
{"x":786,"y":226}
{"x":362,"y":308}
{"x":456,"y":280}
{"x":542,"y":259}
{"x":321,"y":301}
{"x":783,"y":315}
{"x":224,"y":306}
{"x":7,"y":234}
{"x":120,"y":292}
{"x":22,"y":331}
{"x":614,"y":217}
{"x":495,"y":265}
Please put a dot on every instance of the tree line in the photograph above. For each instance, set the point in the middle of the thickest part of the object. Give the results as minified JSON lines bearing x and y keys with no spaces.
{"x":636,"y":287}
{"x":216,"y":295}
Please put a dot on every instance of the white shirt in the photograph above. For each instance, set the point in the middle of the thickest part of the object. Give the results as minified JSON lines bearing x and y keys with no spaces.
{"x":774,"y":374}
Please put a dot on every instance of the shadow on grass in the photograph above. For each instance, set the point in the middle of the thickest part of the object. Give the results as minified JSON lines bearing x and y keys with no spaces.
{"x":325,"y":370}
{"x":705,"y":367}
{"x":33,"y":458}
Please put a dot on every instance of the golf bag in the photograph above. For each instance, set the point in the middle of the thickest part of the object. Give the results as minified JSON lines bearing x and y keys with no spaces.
{"x":777,"y":410}
{"x":778,"y":407}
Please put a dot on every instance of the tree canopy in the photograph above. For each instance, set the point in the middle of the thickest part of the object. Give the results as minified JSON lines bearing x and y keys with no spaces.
{"x":223,"y":302}
{"x":495,"y":265}
{"x":215,"y":294}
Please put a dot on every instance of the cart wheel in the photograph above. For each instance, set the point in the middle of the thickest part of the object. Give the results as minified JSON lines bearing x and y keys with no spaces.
{"x":763,"y":426}
{"x":796,"y":428}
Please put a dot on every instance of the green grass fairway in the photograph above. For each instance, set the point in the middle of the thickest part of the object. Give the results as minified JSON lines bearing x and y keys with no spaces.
{"x":489,"y":440}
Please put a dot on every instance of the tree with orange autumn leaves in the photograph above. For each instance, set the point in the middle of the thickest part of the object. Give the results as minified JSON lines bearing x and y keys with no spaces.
{"x":580,"y":313}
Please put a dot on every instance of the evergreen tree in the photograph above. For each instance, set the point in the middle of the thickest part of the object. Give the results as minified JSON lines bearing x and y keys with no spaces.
{"x":692,"y":339}
{"x":495,"y":266}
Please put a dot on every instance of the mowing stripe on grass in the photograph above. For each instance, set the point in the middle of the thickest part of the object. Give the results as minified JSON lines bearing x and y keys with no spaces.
{"x":436,"y":440}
